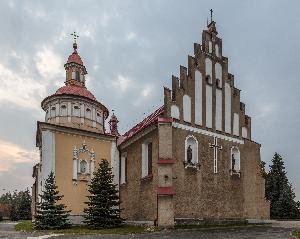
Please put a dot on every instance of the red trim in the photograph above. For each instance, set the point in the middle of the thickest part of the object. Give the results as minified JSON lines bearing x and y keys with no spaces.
{"x":164,"y":120}
{"x":165,"y":191}
{"x":166,"y":161}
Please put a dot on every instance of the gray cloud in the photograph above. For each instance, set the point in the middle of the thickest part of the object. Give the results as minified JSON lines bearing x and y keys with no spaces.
{"x":131,"y":49}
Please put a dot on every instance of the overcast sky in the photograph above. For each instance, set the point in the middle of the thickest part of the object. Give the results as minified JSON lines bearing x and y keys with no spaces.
{"x":130,"y":50}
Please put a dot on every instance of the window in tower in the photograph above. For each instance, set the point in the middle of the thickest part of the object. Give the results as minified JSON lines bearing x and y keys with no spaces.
{"x":99,"y":117}
{"x":53,"y":111}
{"x":88,"y":113}
{"x":63,"y":110}
{"x":76,"y":110}
{"x":77,"y":75}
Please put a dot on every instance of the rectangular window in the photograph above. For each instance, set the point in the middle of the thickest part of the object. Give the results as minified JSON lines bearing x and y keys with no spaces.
{"x":123,"y":176}
{"x":149,"y":158}
{"x":146,"y":159}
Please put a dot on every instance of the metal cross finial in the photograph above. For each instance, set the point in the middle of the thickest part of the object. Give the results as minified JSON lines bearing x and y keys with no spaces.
{"x":75,"y":36}
{"x":211,"y":15}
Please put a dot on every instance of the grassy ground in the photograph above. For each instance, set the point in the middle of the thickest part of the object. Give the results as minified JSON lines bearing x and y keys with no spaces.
{"x":296,"y":233}
{"x":125,"y":229}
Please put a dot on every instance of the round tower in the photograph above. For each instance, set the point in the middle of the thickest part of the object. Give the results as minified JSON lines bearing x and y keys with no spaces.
{"x":113,"y":123}
{"x":73,"y":105}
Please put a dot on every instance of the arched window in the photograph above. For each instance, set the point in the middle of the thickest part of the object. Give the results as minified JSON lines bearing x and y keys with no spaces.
{"x":77,"y":75}
{"x":99,"y":117}
{"x":83,"y":166}
{"x":53,"y":111}
{"x":76,"y":110}
{"x":187,"y":108}
{"x":235,"y":167}
{"x":191,"y":152}
{"x":88,"y":113}
{"x":63,"y":110}
{"x":175,"y":111}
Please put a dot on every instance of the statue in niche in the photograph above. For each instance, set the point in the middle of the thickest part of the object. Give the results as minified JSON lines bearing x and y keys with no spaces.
{"x":189,"y":154}
{"x":83,"y":166}
{"x":232,"y":163}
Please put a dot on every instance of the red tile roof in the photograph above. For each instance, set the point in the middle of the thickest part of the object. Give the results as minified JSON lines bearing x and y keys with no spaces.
{"x":75,"y":90}
{"x":142,"y":125}
{"x":75,"y":58}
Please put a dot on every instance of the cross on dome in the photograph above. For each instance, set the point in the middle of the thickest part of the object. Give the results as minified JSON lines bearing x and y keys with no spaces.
{"x":75,"y":36}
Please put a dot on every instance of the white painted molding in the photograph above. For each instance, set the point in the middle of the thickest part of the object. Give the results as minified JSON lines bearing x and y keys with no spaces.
{"x":207,"y":133}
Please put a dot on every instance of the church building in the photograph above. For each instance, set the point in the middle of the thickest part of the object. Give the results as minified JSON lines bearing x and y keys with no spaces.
{"x":191,"y":159}
{"x":72,"y":140}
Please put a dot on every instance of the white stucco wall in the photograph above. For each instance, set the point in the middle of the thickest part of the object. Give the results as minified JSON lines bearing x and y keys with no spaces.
{"x":218,"y":116}
{"x":208,"y":106}
{"x":236,"y":127}
{"x":218,"y":72}
{"x":115,"y":161}
{"x":175,"y":112}
{"x":244,"y":132}
{"x":187,"y":108}
{"x":198,"y":97}
{"x":208,"y":67}
{"x":48,"y":155}
{"x":227,"y":108}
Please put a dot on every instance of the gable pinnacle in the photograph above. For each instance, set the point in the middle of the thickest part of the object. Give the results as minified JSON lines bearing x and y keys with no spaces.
{"x":211,"y":15}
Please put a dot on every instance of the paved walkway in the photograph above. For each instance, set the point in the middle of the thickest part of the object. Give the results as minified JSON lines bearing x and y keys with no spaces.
{"x":278,"y":229}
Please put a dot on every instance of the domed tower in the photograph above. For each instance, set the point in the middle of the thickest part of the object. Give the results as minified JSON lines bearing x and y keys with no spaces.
{"x":72,"y":140}
{"x":73,"y":105}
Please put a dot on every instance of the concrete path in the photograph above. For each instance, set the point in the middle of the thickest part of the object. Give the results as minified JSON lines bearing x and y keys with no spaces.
{"x":278,"y":229}
{"x":285,"y":224}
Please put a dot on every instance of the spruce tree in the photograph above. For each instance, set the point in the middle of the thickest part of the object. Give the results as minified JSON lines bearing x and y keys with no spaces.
{"x":51,"y":214}
{"x":24,"y":205}
{"x":280,"y":192}
{"x":103,"y":205}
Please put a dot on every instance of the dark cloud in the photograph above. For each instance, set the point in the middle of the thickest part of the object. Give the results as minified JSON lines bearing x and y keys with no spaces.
{"x":131,"y":49}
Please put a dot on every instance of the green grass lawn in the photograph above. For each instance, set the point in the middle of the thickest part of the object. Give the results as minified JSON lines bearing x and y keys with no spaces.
{"x":125,"y":229}
{"x":296,"y":233}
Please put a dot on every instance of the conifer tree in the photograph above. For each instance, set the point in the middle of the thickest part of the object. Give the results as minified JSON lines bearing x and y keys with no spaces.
{"x":103,"y":205}
{"x":24,"y":205}
{"x":280,"y":192}
{"x":51,"y":214}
